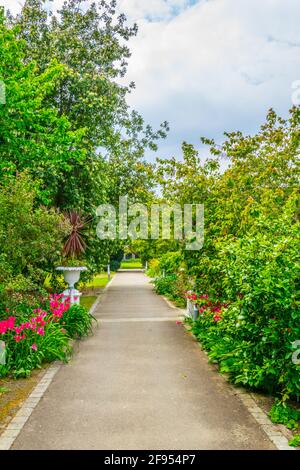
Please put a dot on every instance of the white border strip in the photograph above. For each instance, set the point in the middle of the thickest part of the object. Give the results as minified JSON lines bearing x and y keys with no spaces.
{"x":99,"y":299}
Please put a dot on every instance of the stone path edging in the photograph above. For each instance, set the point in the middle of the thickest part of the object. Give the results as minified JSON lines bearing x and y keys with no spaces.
{"x":98,"y":300}
{"x":16,"y":425}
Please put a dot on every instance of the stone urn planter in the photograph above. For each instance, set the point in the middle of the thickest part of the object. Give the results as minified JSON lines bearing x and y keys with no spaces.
{"x":71,"y":276}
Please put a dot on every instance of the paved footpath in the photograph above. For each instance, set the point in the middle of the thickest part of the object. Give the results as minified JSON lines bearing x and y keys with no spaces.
{"x":141,"y":382}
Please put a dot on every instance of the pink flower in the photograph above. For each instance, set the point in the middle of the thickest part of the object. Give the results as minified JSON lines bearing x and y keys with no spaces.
{"x":34,"y":347}
{"x":17,"y":338}
{"x":10,"y":323}
{"x":178,"y":322}
{"x":217,"y":318}
{"x":41,"y":331}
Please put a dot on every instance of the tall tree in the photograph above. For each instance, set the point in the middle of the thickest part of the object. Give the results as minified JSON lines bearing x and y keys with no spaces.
{"x":91,"y":42}
{"x":33,"y":136}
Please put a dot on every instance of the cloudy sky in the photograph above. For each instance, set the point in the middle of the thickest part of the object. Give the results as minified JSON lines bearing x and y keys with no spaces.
{"x":207,"y":66}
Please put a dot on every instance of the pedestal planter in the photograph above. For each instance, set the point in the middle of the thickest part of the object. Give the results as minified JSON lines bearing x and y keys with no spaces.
{"x":71,"y":276}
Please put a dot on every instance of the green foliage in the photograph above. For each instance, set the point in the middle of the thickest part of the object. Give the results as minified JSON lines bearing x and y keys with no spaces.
{"x":77,"y":321}
{"x":170,"y":262}
{"x":115,"y":265}
{"x":165,"y":285}
{"x":41,"y":336}
{"x":295,"y":441}
{"x":284,"y":414}
{"x":250,"y":260}
{"x":153,"y":268}
{"x":30,"y":240}
{"x":90,"y":46}
{"x":34,"y":136}
{"x":67,"y":121}
{"x":21,"y":359}
{"x":168,"y":286}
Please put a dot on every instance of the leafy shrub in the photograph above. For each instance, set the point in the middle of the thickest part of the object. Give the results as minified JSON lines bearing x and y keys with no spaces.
{"x":295,"y":441}
{"x":153,"y":268}
{"x":284,"y":414}
{"x":260,"y":285}
{"x":170,"y":262}
{"x":30,"y":239}
{"x":115,"y":265}
{"x":165,"y":285}
{"x":169,"y":286}
{"x":31,"y":341}
{"x":77,"y":321}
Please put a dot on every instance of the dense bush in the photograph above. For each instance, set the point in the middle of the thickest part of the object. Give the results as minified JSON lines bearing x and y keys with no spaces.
{"x":153,"y":268}
{"x":165,"y":285}
{"x":170,"y":262}
{"x":30,"y":241}
{"x":249,"y":265}
{"x":172,"y":286}
{"x":254,"y":337}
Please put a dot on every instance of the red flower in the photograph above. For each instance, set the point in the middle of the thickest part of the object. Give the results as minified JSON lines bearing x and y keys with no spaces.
{"x":217,"y":318}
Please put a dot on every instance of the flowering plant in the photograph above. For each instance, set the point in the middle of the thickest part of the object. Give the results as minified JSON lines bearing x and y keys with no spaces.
{"x":42,"y":337}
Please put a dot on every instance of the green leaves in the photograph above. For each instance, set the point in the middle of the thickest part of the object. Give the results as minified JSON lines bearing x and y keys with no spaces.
{"x":251,"y":254}
{"x":30,"y":237}
{"x":284,"y":414}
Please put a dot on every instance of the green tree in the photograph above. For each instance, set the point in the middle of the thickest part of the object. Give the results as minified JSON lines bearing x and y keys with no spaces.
{"x":91,"y":42}
{"x":33,"y":135}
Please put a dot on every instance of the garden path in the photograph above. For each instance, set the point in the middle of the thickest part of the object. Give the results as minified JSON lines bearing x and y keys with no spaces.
{"x":141,"y":382}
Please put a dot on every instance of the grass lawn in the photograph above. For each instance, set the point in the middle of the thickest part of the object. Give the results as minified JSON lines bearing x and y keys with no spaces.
{"x":131,"y":264}
{"x":99,"y":281}
{"x":88,"y":300}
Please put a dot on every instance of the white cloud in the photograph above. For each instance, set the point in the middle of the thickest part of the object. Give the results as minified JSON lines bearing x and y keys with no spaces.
{"x":152,"y":9}
{"x":218,"y":65}
{"x":214,"y":66}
